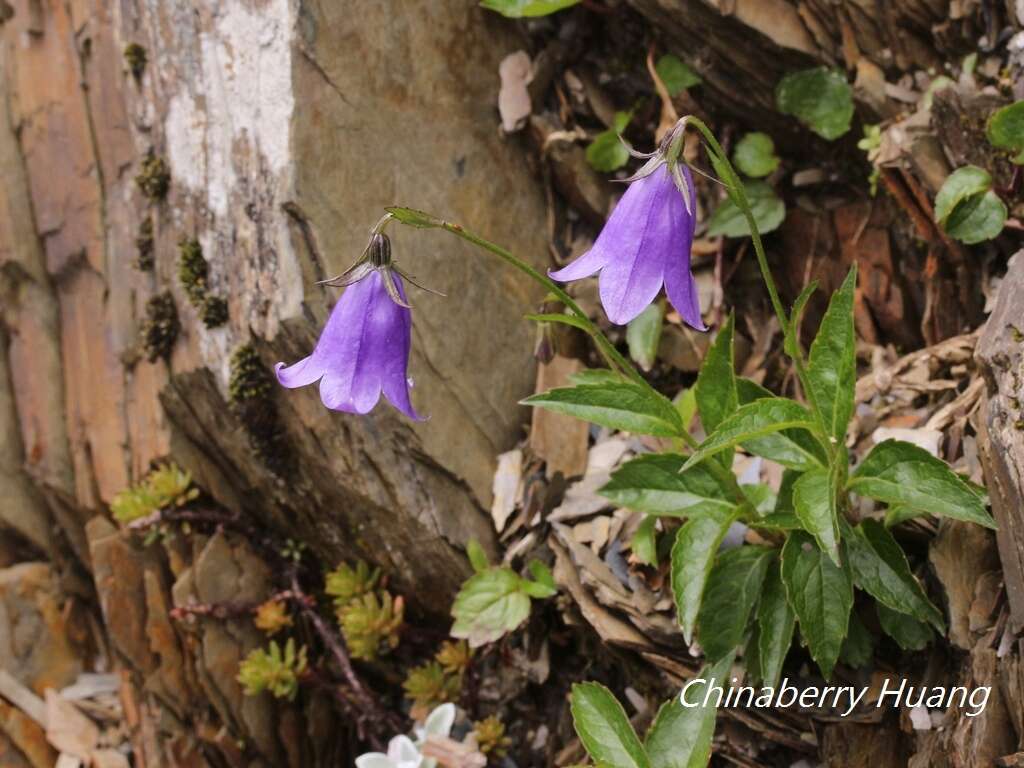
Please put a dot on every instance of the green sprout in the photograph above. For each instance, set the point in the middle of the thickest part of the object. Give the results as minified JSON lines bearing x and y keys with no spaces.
{"x":345,"y":584}
{"x":429,"y":686}
{"x":490,"y":736}
{"x":371,"y":624}
{"x":273,"y":670}
{"x":165,"y":487}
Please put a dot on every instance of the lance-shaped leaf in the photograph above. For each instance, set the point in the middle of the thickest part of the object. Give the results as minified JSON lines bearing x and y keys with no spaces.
{"x":821,"y":594}
{"x":881,"y":569}
{"x":775,"y":623}
{"x":652,"y":483}
{"x":617,"y":405}
{"x":715,"y":389}
{"x":832,"y":367}
{"x":731,"y":594}
{"x":758,"y":419}
{"x":814,"y":499}
{"x":680,"y":736}
{"x":602,"y":725}
{"x":693,"y":555}
{"x":901,"y":473}
{"x":909,"y":633}
{"x":643,"y":334}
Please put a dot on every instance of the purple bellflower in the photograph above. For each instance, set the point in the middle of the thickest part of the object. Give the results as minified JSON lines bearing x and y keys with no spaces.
{"x":364,"y":348}
{"x":646,"y":241}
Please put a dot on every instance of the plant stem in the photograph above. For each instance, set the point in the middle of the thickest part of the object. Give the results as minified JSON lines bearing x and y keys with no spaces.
{"x":732,"y":180}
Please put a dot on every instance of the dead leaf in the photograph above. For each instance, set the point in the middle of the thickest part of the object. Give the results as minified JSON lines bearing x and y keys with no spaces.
{"x":67,"y":729}
{"x":559,"y":439}
{"x":505,"y":487}
{"x":513,"y":98}
{"x":453,"y":754}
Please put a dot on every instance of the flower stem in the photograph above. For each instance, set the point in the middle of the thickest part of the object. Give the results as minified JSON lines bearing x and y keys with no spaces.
{"x":739,"y":194}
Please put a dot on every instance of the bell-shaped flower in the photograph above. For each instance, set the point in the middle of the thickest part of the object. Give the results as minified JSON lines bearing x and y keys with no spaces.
{"x":364,"y":348}
{"x":646,"y":241}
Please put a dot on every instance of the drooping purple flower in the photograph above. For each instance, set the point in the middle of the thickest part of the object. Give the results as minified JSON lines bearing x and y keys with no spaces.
{"x":644,"y":244}
{"x":364,"y":348}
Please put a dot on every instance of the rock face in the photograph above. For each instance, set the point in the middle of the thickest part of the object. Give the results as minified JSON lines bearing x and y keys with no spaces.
{"x":271,"y":133}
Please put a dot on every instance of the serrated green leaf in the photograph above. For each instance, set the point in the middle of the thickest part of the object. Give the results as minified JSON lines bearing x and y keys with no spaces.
{"x":617,"y":405}
{"x":732,"y":590}
{"x":814,"y":500}
{"x":767,"y":207}
{"x":603,"y":728}
{"x":676,"y":76}
{"x":977,"y":219}
{"x":543,"y":584}
{"x":653,"y":483}
{"x":1005,"y":129}
{"x":515,"y":9}
{"x":901,"y":473}
{"x":776,"y":621}
{"x":821,"y":595}
{"x":859,"y":646}
{"x":680,"y":736}
{"x":755,"y":155}
{"x":819,"y":98}
{"x":832,"y":366}
{"x":477,"y":556}
{"x":751,"y":422}
{"x":881,"y":569}
{"x":961,"y":185}
{"x":693,"y":555}
{"x":643,"y":334}
{"x":908,"y":632}
{"x":715,"y":389}
{"x":489,"y":605}
{"x":645,"y":543}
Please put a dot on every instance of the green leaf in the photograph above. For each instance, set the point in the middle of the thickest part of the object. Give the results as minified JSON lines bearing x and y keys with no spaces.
{"x":961,"y":185}
{"x":778,"y":521}
{"x":716,"y":384}
{"x":607,"y":152}
{"x":791,"y":336}
{"x":819,"y":98}
{"x":977,"y":219}
{"x":603,"y":728}
{"x":821,"y":595}
{"x":759,"y":419}
{"x":617,"y":405}
{"x":755,"y":155}
{"x":515,"y":9}
{"x":814,"y":498}
{"x":676,"y":76}
{"x":832,"y":367}
{"x":477,"y":556}
{"x":413,"y":218}
{"x":784,"y":499}
{"x":643,"y":334}
{"x":768,"y":209}
{"x":544,"y":582}
{"x":653,"y":483}
{"x":761,"y":497}
{"x":733,"y":588}
{"x":680,"y":736}
{"x":593,"y":376}
{"x":693,"y":555}
{"x":1005,"y":129}
{"x":881,"y":569}
{"x":686,"y":403}
{"x":775,"y":621}
{"x":645,"y":543}
{"x":491,"y":604}
{"x":908,"y":632}
{"x":901,"y":473}
{"x":859,"y":645}
{"x":749,"y":390}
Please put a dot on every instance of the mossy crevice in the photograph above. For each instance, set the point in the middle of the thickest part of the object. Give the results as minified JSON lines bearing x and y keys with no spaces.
{"x":154,"y":177}
{"x":250,"y":397}
{"x":160,"y":327}
{"x":144,"y":246}
{"x":136,"y":58}
{"x":193,"y":274}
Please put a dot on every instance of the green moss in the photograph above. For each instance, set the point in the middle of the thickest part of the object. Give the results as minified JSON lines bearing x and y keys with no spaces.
{"x":249,"y":394}
{"x":192,"y":270}
{"x":214,"y":311}
{"x":136,"y":59}
{"x":161,"y":326}
{"x":154,"y":178}
{"x":144,"y":244}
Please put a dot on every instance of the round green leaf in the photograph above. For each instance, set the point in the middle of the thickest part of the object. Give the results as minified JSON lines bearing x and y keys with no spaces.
{"x":1006,"y":129}
{"x":755,"y":155}
{"x":960,"y":185}
{"x":676,"y":76}
{"x":768,"y":209}
{"x":977,"y":219}
{"x":819,"y":98}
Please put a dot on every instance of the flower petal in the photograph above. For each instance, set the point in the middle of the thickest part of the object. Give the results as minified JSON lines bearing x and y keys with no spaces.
{"x":679,"y":283}
{"x":374,"y":760}
{"x":586,"y":265}
{"x":403,"y":751}
{"x":640,"y":231}
{"x":440,"y":720}
{"x":299,"y":374}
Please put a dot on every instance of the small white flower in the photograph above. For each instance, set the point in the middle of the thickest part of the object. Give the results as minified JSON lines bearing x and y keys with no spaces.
{"x":402,"y":753}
